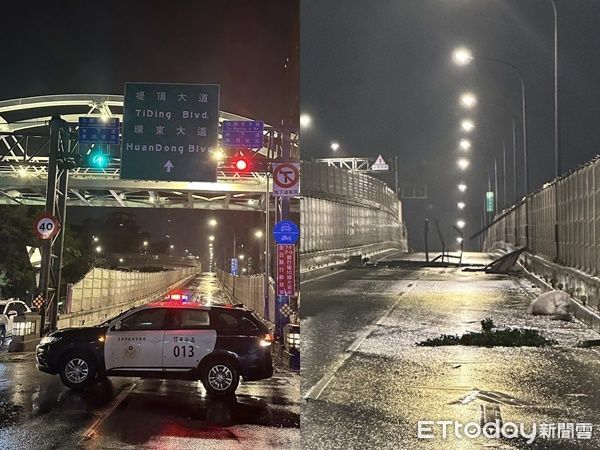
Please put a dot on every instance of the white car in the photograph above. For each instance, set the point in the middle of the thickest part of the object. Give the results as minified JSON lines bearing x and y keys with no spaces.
{"x":8,"y":310}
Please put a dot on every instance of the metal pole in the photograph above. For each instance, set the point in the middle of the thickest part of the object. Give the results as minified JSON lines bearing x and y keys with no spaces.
{"x":505,"y":200}
{"x":557,"y":164}
{"x":396,"y":173}
{"x":60,"y":242}
{"x":495,"y":186}
{"x":426,"y":240}
{"x":557,"y":168}
{"x":523,"y":114}
{"x":233,"y":275}
{"x":514,"y":136}
{"x":266,"y":254}
{"x":46,"y":263}
{"x":525,"y":154}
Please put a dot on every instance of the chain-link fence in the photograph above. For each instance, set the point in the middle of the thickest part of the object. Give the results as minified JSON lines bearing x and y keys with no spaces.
{"x":560,"y":222}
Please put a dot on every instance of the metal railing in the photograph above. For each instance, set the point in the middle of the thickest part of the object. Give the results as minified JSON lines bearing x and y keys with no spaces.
{"x":560,"y":222}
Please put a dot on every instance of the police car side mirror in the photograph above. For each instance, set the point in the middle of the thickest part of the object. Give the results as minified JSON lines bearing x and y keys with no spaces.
{"x":117,"y":326}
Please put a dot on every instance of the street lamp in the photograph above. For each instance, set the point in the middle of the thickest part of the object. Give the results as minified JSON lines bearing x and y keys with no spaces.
{"x":468,"y":100}
{"x":241,"y":257}
{"x":211,"y":238}
{"x":258,"y":234}
{"x":460,"y":223}
{"x":305,"y":120}
{"x":335,"y":146}
{"x":463,"y":56}
{"x":98,"y":249}
{"x":145,"y":243}
{"x":171,"y":246}
{"x":467,"y":125}
{"x":96,"y":239}
{"x":462,"y":187}
{"x":461,"y":205}
{"x":463,"y":163}
{"x":465,"y":144}
{"x":212,"y":222}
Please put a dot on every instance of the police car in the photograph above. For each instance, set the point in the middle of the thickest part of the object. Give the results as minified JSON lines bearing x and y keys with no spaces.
{"x":216,"y":344}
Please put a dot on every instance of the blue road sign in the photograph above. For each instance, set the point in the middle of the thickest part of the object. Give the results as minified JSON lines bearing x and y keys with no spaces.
{"x":286,"y":232}
{"x":97,"y":130}
{"x":234,"y":266}
{"x":242,"y":133}
{"x":169,"y":132}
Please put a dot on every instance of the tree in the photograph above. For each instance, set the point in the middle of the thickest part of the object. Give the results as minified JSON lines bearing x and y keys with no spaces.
{"x":15,"y":234}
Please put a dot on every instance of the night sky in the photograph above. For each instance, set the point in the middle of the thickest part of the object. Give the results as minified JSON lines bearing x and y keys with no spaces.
{"x":378,"y":78}
{"x":95,"y":47}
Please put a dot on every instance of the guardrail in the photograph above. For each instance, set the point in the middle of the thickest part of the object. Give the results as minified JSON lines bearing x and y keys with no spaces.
{"x":559,"y":223}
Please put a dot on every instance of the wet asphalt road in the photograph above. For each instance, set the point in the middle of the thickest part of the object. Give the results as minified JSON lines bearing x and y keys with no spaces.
{"x":38,"y":412}
{"x":369,"y":383}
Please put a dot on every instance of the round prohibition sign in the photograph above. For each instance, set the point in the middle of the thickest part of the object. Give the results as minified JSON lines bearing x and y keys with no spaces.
{"x":46,"y":226}
{"x":286,"y":175}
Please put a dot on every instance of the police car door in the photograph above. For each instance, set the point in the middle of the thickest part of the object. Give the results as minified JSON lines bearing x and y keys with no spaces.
{"x":137,"y":343}
{"x":188,"y":338}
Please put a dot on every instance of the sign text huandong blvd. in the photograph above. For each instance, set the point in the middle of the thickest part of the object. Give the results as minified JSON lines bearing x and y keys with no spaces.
{"x":169,"y":131}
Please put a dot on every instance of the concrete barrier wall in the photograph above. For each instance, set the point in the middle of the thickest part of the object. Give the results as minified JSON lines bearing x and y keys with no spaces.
{"x":104,"y":293}
{"x":249,"y":291}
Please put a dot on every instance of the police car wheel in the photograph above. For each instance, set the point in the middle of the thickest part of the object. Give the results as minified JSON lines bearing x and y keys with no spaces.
{"x":2,"y":335}
{"x":220,"y":377}
{"x":77,"y":371}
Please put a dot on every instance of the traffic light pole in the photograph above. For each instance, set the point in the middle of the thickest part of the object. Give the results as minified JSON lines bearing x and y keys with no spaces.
{"x":56,"y":204}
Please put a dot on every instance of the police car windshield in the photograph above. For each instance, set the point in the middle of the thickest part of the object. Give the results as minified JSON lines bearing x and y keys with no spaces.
{"x":114,"y":318}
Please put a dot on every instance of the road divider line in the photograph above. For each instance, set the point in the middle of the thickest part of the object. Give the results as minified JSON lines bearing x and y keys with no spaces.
{"x":317,"y":389}
{"x":91,"y":430}
{"x":333,"y":272}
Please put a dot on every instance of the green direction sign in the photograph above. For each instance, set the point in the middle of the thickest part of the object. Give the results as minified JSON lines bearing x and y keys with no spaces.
{"x":489,"y":201}
{"x":169,"y":131}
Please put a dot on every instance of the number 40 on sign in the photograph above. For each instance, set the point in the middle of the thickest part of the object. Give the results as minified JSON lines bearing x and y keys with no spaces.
{"x":46,"y":226}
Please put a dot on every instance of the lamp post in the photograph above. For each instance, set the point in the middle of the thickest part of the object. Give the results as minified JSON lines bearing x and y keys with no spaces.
{"x":557,"y":168}
{"x":462,"y":57}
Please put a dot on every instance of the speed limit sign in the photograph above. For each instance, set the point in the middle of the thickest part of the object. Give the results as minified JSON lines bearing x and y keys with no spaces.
{"x":46,"y":226}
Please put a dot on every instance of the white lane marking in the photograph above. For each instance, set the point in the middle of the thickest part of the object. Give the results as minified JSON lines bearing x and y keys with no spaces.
{"x":335,"y":272}
{"x":91,"y":430}
{"x":317,"y":389}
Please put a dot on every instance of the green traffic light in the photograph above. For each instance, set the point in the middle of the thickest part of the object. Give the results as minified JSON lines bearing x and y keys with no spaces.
{"x":99,"y":160}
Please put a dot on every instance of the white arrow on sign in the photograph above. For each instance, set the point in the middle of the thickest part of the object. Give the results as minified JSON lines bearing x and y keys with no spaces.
{"x":168,"y":166}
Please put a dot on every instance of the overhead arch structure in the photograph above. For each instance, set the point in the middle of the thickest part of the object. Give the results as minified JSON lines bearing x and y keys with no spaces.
{"x":24,"y":143}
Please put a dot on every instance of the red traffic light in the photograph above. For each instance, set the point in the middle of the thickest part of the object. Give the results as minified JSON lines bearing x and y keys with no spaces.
{"x":241,"y":164}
